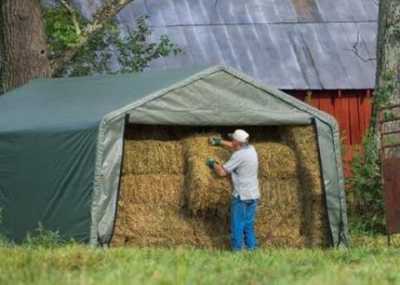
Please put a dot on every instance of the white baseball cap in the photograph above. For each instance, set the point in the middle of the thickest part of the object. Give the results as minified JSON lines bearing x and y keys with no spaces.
{"x":240,"y":135}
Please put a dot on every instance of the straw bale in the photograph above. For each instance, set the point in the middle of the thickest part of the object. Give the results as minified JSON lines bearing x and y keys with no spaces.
{"x":120,"y":227}
{"x":276,"y":160}
{"x":304,"y":142}
{"x":289,"y":215}
{"x":204,"y":189}
{"x":291,"y":212}
{"x":153,"y":189}
{"x":148,"y":225}
{"x":279,"y":213}
{"x":211,"y":231}
{"x":153,"y":157}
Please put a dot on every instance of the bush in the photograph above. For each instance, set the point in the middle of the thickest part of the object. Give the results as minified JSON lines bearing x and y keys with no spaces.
{"x":43,"y":238}
{"x":4,"y":241}
{"x":366,"y":211}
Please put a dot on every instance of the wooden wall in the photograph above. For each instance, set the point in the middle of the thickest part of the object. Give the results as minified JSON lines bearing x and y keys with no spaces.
{"x":352,"y":110}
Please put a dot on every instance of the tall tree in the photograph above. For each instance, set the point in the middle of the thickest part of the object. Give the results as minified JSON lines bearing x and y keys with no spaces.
{"x":388,"y":56}
{"x":63,"y":43}
{"x":23,"y":42}
{"x":366,"y":179}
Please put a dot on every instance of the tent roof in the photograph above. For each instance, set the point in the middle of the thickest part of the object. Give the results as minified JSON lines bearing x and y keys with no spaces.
{"x":59,"y":105}
{"x":76,"y":103}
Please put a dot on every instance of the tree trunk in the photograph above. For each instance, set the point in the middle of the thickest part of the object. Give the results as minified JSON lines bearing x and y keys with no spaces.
{"x":388,"y":72}
{"x":23,"y":42}
{"x":388,"y":47}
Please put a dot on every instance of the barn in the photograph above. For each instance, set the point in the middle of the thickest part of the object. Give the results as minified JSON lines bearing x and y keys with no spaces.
{"x":62,"y":146}
{"x":320,"y":51}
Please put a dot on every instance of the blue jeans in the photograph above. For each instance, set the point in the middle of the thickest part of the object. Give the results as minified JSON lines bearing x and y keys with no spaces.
{"x":243,"y":214}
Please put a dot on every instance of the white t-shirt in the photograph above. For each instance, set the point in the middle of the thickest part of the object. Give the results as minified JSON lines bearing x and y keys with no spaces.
{"x":243,"y":167}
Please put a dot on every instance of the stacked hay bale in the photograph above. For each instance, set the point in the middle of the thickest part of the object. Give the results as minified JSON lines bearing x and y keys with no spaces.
{"x":279,"y":213}
{"x":207,"y":196}
{"x":302,"y":140}
{"x":170,"y":197}
{"x":151,"y":191}
{"x":205,"y":190}
{"x":153,"y":207}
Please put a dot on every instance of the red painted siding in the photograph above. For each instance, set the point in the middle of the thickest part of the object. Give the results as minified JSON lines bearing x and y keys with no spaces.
{"x":352,"y":110}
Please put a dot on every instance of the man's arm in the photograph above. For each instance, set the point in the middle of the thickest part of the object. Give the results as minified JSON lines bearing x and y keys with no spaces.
{"x":217,"y":141}
{"x":218,"y":168}
{"x":227,"y":144}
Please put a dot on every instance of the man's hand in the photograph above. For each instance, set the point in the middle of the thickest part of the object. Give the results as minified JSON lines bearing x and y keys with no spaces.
{"x":215,"y":141}
{"x":216,"y":166}
{"x":218,"y":141}
{"x":211,"y":162}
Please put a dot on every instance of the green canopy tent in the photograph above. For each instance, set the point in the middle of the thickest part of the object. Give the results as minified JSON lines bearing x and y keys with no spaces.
{"x":61,"y":141}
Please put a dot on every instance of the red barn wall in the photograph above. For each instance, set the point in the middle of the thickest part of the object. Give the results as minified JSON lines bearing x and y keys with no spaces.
{"x":352,"y":110}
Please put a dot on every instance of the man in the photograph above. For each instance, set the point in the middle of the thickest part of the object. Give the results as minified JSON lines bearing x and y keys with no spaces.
{"x":243,"y":168}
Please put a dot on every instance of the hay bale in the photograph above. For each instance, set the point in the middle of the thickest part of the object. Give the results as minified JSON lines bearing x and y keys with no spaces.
{"x":291,"y":213}
{"x":120,"y":226}
{"x":153,"y":157}
{"x":276,"y":160}
{"x":149,"y":225}
{"x":212,"y":232}
{"x":302,"y":139}
{"x":204,"y":189}
{"x":153,"y":189}
{"x":279,"y":213}
{"x":146,"y":225}
{"x":289,"y":216}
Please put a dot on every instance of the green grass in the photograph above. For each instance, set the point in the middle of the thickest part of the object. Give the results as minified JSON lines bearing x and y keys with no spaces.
{"x":369,"y":262}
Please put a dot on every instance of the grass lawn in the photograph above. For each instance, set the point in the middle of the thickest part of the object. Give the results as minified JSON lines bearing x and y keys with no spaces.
{"x":369,"y":261}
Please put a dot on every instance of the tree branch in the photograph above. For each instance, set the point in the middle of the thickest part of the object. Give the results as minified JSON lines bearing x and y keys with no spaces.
{"x":109,"y":10}
{"x":73,"y":15}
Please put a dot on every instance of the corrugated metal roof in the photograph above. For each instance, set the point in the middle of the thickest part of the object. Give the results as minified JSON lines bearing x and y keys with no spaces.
{"x":290,"y":44}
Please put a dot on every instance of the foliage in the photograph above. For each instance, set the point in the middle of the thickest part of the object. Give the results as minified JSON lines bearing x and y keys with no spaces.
{"x":60,"y":30}
{"x":382,"y":96}
{"x":3,"y":239}
{"x":72,"y":264}
{"x":2,"y":87}
{"x":135,"y":51}
{"x":41,"y":237}
{"x":367,"y":210}
{"x":2,"y":63}
{"x":130,"y":53}
{"x":108,"y":50}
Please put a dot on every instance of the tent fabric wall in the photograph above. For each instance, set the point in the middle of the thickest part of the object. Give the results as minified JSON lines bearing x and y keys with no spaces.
{"x":49,"y":145}
{"x":63,"y":164}
{"x":46,"y":179}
